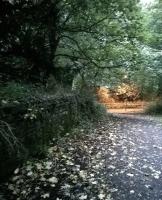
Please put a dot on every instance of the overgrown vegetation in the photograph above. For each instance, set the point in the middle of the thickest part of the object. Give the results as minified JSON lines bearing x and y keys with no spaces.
{"x":31,"y":120}
{"x":155,"y":108}
{"x":53,"y":55}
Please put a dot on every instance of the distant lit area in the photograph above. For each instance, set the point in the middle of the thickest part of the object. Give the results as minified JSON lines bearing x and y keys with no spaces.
{"x":146,"y":3}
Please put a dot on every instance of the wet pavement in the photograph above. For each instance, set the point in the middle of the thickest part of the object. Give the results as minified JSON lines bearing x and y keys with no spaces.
{"x":134,"y":159}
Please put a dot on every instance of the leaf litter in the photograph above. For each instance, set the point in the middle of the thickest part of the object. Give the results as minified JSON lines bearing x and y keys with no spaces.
{"x":73,"y":169}
{"x":86,"y":166}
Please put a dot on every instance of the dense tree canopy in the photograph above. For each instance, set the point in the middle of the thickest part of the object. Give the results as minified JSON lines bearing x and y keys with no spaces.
{"x":54,"y":56}
{"x":100,"y":42}
{"x":67,"y":37}
{"x":152,"y":50}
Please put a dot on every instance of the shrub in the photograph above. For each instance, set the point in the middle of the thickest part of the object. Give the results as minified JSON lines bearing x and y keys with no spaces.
{"x":155,"y":108}
{"x":14,"y":91}
{"x":34,"y":118}
{"x":100,"y":110}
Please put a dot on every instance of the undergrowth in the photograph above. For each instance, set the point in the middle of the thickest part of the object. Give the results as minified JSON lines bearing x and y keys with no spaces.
{"x":30,"y":117}
{"x":155,"y":108}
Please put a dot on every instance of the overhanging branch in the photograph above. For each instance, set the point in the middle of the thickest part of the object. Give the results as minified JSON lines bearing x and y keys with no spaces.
{"x":84,"y":56}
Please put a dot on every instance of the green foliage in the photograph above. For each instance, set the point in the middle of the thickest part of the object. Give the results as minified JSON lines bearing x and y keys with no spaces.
{"x":145,"y":79}
{"x":14,"y":91}
{"x":34,"y":120}
{"x":151,"y":61}
{"x":145,"y":69}
{"x":99,"y":110}
{"x":100,"y":38}
{"x":155,"y":108}
{"x":154,"y":21}
{"x":28,"y":39}
{"x":65,"y":38}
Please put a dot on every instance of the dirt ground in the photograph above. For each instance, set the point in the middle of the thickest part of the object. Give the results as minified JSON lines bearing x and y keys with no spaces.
{"x":116,"y":106}
{"x":127,"y":110}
